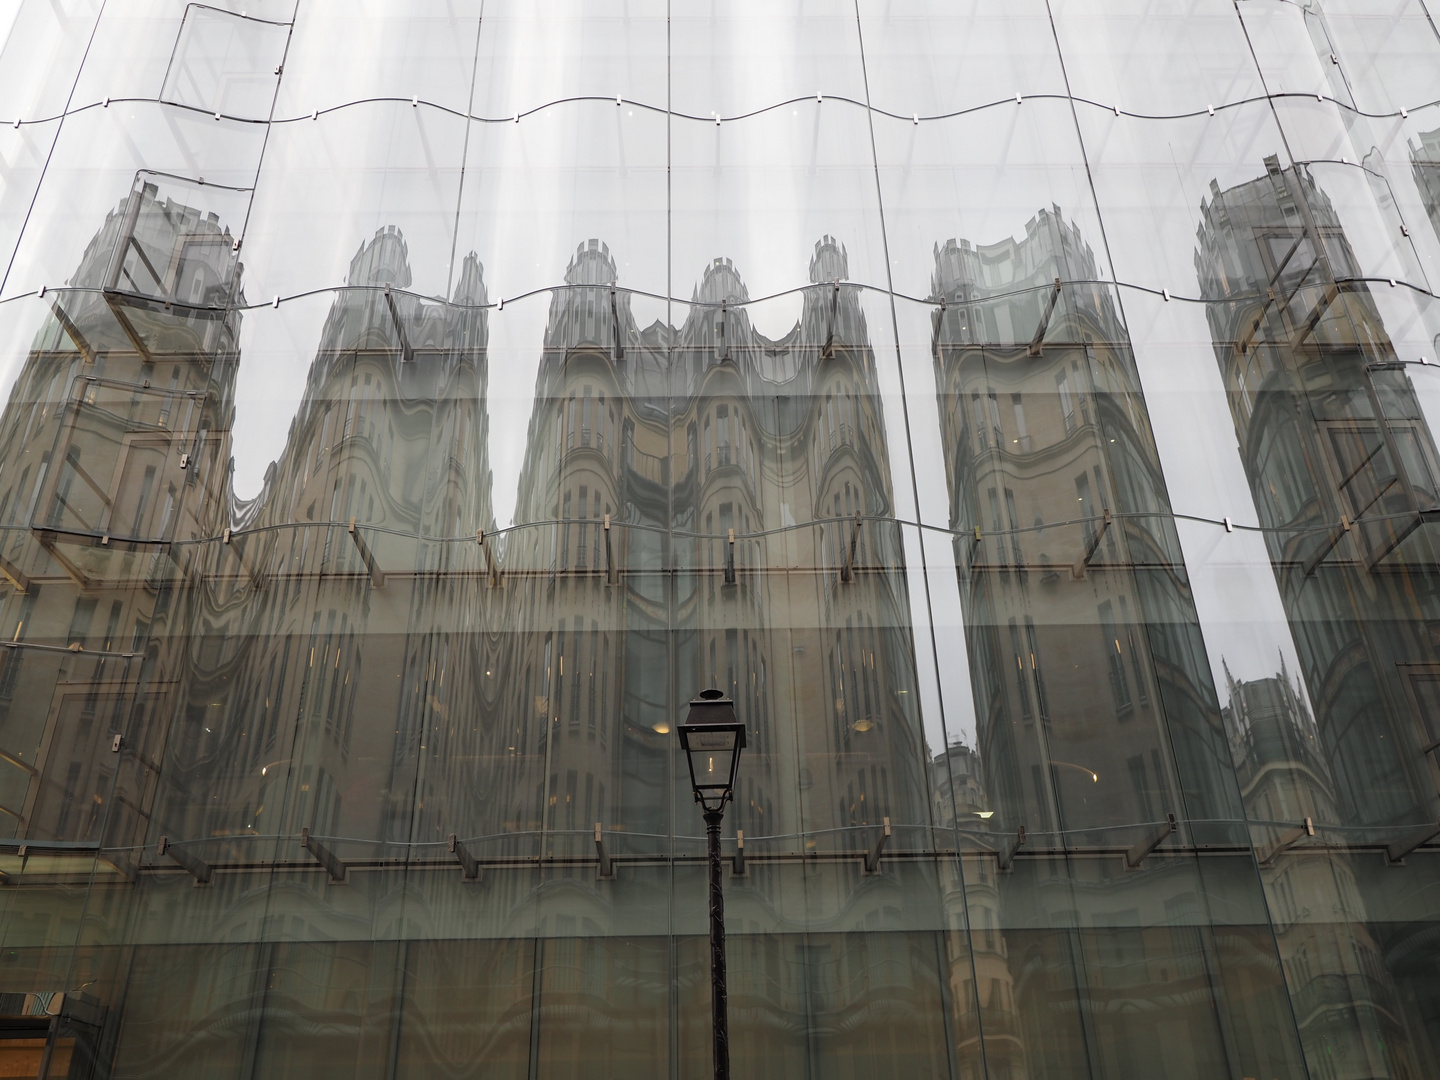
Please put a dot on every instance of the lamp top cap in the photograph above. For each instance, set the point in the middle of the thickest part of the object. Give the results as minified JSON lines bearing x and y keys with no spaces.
{"x":711,"y":707}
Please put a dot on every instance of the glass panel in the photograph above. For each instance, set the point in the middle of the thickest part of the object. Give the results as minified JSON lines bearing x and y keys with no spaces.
{"x":441,"y":1032}
{"x":1151,"y":177}
{"x":94,"y":166}
{"x":766,"y":197}
{"x":1156,"y":60}
{"x":344,"y":53}
{"x":536,"y":54}
{"x":41,"y":46}
{"x":1095,"y":705}
{"x":226,"y":63}
{"x":926,"y":58}
{"x":536,"y":225}
{"x":192,"y":51}
{"x":1289,"y":45}
{"x":1048,"y":480}
{"x":744,"y":58}
{"x":998,"y":177}
{"x":1369,"y":994}
{"x":1389,"y":52}
{"x":330,"y":187}
{"x":1340,"y":462}
{"x":23,"y":152}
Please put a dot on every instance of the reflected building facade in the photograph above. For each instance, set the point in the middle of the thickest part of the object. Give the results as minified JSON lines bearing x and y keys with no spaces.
{"x":1099,"y":732}
{"x":1342,"y":467}
{"x":367,"y":766}
{"x":1094,"y":705}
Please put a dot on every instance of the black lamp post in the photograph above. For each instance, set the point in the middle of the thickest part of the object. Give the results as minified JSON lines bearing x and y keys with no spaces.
{"x":712,"y":739}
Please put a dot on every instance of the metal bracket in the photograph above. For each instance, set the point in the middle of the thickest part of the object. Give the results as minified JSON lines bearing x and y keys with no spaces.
{"x":324,"y":856}
{"x":1397,"y":851}
{"x":612,"y":572}
{"x":615,"y":321}
{"x":872,"y":858}
{"x":730,"y":560}
{"x":1286,"y":840}
{"x":407,"y":354}
{"x":847,"y":571}
{"x":828,"y":349}
{"x":199,"y":869}
{"x":1093,"y":546}
{"x":1005,"y":855}
{"x":1313,"y":563}
{"x":1142,"y":849}
{"x":1331,"y":293}
{"x":492,"y":566}
{"x":738,"y":866}
{"x":466,"y":860}
{"x":47,"y":539}
{"x":377,"y":576}
{"x":87,"y":351}
{"x":13,"y":574}
{"x":1038,"y":340}
{"x":607,"y":864}
{"x":257,"y":578}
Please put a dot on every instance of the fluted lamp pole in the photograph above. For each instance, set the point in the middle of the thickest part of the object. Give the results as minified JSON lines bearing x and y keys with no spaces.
{"x":712,"y":739}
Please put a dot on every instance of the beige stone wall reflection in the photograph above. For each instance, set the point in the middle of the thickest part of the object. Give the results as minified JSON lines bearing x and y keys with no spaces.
{"x":1342,"y":466}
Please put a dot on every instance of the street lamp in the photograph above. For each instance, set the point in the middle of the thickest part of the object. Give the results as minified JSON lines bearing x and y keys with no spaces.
{"x":712,"y":739}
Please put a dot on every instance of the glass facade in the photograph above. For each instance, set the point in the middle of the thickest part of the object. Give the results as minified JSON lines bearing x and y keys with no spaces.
{"x":1025,"y":410}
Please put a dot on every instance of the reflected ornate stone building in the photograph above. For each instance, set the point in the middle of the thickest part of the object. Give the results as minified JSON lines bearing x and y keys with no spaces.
{"x":116,"y":444}
{"x":1096,"y":715}
{"x":382,"y":479}
{"x":1341,"y":466}
{"x":1095,"y":705}
{"x":705,"y":506}
{"x":744,"y":464}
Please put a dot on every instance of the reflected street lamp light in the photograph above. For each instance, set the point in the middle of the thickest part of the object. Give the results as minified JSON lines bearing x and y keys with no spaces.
{"x":712,"y":739}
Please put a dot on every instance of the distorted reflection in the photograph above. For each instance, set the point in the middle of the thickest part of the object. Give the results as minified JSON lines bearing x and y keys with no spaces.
{"x":359,"y":656}
{"x":1097,"y":720}
{"x":115,"y":445}
{"x":453,"y":715}
{"x":1425,"y":167}
{"x":751,"y":480}
{"x":1342,"y":467}
{"x":1094,"y":702}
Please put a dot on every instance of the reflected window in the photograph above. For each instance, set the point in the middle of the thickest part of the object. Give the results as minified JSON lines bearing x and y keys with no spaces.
{"x":1114,"y":656}
{"x":1067,"y":402}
